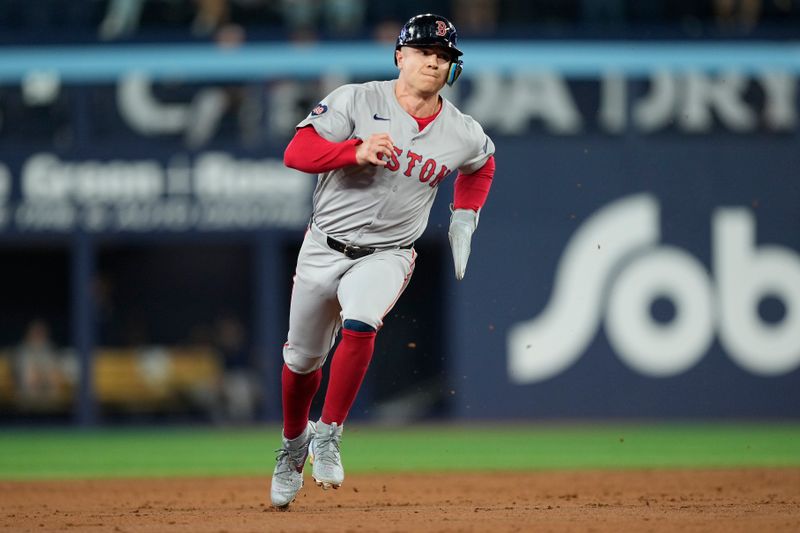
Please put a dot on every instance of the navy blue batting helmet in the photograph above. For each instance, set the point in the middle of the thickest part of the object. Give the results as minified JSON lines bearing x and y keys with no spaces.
{"x":432,"y":30}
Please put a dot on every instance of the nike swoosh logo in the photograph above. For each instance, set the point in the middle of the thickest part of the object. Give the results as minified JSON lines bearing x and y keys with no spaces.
{"x":376,"y":117}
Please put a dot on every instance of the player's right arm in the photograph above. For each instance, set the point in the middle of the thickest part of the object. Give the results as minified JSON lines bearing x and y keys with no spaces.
{"x":324,"y":140}
{"x":373,"y":149}
{"x":310,"y":152}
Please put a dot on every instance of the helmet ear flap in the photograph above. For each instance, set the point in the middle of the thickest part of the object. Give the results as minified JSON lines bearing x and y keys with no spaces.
{"x":455,"y":71}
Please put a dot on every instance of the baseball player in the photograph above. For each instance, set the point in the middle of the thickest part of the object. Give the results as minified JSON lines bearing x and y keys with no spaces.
{"x":381,"y":150}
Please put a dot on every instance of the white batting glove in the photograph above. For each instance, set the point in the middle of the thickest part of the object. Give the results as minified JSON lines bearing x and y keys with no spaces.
{"x":462,"y":225}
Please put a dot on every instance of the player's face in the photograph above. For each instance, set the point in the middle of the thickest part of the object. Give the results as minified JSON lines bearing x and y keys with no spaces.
{"x":424,"y":68}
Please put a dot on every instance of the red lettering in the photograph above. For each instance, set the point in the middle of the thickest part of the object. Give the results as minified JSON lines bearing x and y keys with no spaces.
{"x":427,"y":170}
{"x":413,"y":159}
{"x":440,"y":176}
{"x":394,"y":164}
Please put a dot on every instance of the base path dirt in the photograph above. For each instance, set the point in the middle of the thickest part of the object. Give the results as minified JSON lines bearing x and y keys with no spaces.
{"x":757,"y":500}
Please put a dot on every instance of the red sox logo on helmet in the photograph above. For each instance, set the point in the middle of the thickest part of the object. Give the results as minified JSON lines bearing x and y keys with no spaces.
{"x":441,"y":28}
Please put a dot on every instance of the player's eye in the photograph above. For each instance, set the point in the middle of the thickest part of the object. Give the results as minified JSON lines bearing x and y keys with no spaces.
{"x":441,"y":55}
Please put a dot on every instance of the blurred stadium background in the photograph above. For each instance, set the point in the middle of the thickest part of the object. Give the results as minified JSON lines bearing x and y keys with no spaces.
{"x":637,"y":258}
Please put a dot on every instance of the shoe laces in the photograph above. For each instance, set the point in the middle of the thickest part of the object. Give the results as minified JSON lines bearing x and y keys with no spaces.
{"x":290,"y":460}
{"x":326,"y":445}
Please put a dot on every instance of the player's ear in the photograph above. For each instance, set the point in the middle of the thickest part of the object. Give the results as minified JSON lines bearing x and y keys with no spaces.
{"x":398,"y":57}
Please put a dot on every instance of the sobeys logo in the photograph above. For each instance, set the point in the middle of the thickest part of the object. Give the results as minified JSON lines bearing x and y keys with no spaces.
{"x":619,"y":281}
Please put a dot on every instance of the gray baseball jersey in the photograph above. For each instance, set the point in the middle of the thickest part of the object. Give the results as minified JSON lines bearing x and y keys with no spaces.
{"x":387,"y":206}
{"x":381,"y":207}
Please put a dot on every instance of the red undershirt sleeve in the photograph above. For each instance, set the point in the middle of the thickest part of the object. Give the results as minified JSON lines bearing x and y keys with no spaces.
{"x":471,"y":190}
{"x":309,"y":152}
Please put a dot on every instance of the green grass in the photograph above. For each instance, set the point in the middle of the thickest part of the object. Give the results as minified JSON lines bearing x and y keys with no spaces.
{"x":52,"y":454}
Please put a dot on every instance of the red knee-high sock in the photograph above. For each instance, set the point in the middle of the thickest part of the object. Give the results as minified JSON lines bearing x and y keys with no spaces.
{"x":297,"y":391}
{"x":349,"y":365}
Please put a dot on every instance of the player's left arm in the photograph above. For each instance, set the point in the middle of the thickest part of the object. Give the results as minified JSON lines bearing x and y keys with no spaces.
{"x":471,"y":191}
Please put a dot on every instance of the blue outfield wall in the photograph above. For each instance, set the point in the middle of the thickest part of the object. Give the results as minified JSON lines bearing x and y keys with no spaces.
{"x":639,"y":255}
{"x":593,"y":289}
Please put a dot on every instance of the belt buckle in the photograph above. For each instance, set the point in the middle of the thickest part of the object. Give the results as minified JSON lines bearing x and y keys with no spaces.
{"x":349,"y":251}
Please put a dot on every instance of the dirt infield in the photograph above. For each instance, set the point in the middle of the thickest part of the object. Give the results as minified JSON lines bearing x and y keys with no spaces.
{"x":758,"y":500}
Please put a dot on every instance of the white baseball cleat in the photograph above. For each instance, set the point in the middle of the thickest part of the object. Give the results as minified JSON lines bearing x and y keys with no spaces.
{"x":287,"y":479}
{"x":327,"y":468}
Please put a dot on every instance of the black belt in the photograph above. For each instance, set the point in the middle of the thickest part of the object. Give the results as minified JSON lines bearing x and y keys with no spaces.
{"x":357,"y":252}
